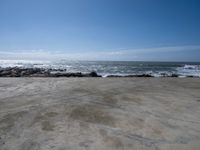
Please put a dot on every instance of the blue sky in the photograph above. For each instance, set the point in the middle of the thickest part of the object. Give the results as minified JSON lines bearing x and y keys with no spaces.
{"x":156,"y":30}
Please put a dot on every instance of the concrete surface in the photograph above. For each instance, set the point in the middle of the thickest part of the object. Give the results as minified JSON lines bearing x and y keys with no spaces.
{"x":99,"y":114}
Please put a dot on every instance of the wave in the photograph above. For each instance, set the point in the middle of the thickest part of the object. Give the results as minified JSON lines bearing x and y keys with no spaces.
{"x":143,"y":74}
{"x":108,"y":69}
{"x":189,"y":70}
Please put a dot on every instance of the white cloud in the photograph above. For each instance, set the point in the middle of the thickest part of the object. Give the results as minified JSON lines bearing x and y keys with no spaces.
{"x":160,"y":49}
{"x":121,"y":54}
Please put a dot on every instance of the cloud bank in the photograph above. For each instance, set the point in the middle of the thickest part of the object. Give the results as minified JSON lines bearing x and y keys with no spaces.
{"x":179,"y":53}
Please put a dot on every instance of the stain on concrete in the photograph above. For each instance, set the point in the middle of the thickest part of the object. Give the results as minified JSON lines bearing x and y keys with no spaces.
{"x":103,"y":132}
{"x":86,"y":144}
{"x":131,"y":98}
{"x":91,"y":114}
{"x":109,"y":98}
{"x":114,"y":142}
{"x":29,"y":145}
{"x":8,"y":121}
{"x":47,"y":126}
{"x":45,"y":120}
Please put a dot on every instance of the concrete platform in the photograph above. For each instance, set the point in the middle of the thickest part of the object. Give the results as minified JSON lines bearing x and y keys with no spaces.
{"x":99,"y":114}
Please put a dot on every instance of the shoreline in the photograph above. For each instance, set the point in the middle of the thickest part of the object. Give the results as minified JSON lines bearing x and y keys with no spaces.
{"x":43,"y":72}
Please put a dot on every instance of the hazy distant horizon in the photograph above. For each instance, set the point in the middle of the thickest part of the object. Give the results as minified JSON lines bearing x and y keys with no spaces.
{"x":168,"y":54}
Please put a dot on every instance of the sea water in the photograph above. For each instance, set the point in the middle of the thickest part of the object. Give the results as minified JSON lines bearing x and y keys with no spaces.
{"x":105,"y":68}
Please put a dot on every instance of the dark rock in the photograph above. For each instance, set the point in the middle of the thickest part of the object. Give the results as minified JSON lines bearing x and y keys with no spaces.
{"x":174,"y":75}
{"x":23,"y":73}
{"x":191,"y":76}
{"x":78,"y":74}
{"x":65,"y":74}
{"x":144,"y":75}
{"x":113,"y":76}
{"x":5,"y":73}
{"x":139,"y":75}
{"x":33,"y":70}
{"x":15,"y":72}
{"x":93,"y":74}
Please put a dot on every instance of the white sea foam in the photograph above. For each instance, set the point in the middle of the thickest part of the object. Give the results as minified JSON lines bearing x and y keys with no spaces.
{"x":190,"y":67}
{"x":22,"y":63}
{"x":189,"y":70}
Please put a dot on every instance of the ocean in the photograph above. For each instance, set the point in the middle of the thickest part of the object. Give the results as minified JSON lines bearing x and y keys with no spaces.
{"x":106,"y":68}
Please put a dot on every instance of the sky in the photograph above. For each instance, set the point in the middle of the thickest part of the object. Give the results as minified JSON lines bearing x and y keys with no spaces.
{"x":125,"y":30}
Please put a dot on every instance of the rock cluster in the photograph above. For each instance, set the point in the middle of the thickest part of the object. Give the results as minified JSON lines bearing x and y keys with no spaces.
{"x":40,"y":72}
{"x":137,"y":75}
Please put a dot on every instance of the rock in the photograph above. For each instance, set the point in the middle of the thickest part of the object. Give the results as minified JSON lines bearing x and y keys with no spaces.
{"x":65,"y":74}
{"x":140,"y":75}
{"x":113,"y":76}
{"x":93,"y":74}
{"x":78,"y":74}
{"x":5,"y":73}
{"x":191,"y":76}
{"x":23,"y":73}
{"x":15,"y":72}
{"x":174,"y":75}
{"x":34,"y":70}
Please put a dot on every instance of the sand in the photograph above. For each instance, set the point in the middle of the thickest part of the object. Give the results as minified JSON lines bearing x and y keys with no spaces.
{"x":99,"y":113}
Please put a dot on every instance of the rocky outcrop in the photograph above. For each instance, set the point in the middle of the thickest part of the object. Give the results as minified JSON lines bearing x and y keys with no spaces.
{"x":137,"y":75}
{"x":40,"y":72}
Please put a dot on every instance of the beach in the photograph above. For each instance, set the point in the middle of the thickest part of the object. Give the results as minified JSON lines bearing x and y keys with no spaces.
{"x":99,"y":113}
